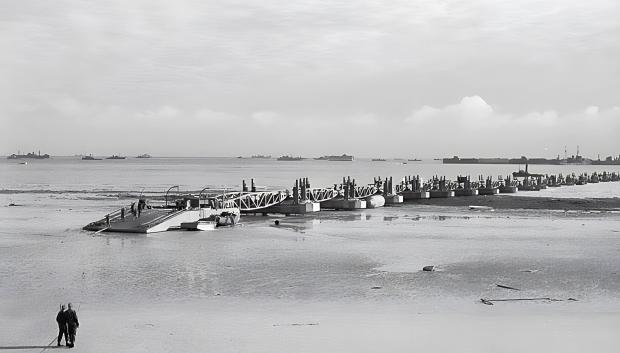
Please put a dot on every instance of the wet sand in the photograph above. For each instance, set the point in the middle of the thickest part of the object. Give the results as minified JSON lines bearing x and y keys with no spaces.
{"x":335,"y":281}
{"x":527,"y":202}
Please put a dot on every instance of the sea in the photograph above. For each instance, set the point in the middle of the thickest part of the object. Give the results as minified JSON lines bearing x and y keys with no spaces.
{"x":71,"y":175}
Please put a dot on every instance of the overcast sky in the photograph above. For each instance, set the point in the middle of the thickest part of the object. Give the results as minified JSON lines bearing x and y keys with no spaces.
{"x":371,"y":78}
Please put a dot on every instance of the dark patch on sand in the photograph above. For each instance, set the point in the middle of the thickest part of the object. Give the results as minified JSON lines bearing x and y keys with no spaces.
{"x":527,"y":202}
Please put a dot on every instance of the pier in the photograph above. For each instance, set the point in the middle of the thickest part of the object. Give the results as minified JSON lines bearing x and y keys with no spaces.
{"x":465,"y":187}
{"x":414,"y":189}
{"x":389,"y":191}
{"x":225,"y":207}
{"x":441,"y":188}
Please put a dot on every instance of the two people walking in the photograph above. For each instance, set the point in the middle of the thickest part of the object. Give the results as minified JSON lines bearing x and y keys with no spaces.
{"x":67,"y":324}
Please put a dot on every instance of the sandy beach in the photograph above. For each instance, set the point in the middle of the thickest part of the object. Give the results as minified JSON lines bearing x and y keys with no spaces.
{"x":335,"y":281}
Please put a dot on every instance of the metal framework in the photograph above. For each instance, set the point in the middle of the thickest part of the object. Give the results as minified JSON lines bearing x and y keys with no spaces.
{"x":361,"y":192}
{"x":320,"y":194}
{"x":251,"y":201}
{"x":399,"y":188}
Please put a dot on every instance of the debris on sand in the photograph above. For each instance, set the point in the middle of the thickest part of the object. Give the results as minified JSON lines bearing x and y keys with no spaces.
{"x":507,"y":287}
{"x":428,"y":268}
{"x":490,"y":301}
{"x":481,"y":208}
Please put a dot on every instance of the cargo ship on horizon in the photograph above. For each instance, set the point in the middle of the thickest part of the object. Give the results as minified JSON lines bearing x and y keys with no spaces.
{"x":290,"y":158}
{"x":114,"y":156}
{"x":607,"y":161}
{"x":90,"y":158}
{"x":575,"y":159}
{"x":572,"y":160}
{"x":343,"y":158}
{"x":30,"y":155}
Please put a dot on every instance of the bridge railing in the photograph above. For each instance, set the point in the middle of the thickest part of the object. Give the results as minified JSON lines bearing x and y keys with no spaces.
{"x":249,"y":201}
{"x":321,"y":194}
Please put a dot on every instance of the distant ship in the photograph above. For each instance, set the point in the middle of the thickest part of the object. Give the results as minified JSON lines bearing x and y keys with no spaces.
{"x":522,"y":160}
{"x":379,"y":160}
{"x":114,"y":156}
{"x":414,"y":160}
{"x":256,"y":156}
{"x":343,"y":158}
{"x":143,"y":156}
{"x":31,"y":155}
{"x":457,"y":160}
{"x":572,"y":160}
{"x":290,"y":158}
{"x":90,"y":158}
{"x":608,"y":161}
{"x":575,"y":160}
{"x":525,"y":173}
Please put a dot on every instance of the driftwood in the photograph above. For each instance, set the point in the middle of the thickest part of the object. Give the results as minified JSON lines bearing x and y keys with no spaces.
{"x":506,"y":287}
{"x":490,"y":301}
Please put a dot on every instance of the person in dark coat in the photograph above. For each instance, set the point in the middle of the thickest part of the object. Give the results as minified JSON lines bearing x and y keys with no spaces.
{"x":72,"y":324}
{"x":62,"y":325}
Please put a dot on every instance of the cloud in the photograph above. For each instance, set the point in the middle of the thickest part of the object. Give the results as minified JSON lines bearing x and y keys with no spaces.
{"x":591,"y":110}
{"x":206,"y":116}
{"x":473,"y":126}
{"x":264,"y":118}
{"x":469,"y":109}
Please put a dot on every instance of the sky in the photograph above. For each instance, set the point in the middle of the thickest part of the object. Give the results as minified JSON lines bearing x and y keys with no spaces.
{"x":397,"y":78}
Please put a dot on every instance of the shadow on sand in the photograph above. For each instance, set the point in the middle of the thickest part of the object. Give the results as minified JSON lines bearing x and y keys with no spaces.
{"x":30,"y":347}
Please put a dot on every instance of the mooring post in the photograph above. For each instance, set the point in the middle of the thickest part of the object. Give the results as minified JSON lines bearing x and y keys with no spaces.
{"x":303,"y":191}
{"x":296,"y":192}
{"x":252,"y":185}
{"x":244,"y":186}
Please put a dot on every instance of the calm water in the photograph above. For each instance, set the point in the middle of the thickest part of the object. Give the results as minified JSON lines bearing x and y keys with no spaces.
{"x":71,"y":174}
